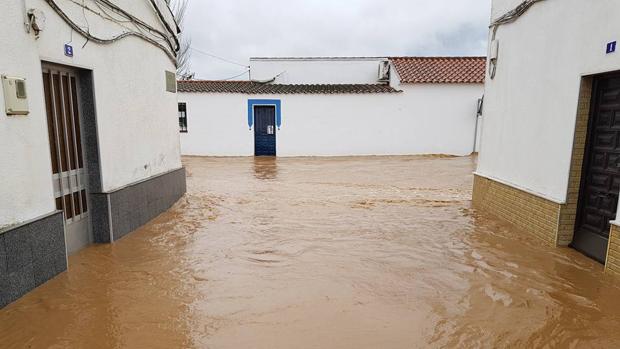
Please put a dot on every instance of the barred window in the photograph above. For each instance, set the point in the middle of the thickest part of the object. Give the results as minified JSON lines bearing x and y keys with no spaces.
{"x":183,"y":117}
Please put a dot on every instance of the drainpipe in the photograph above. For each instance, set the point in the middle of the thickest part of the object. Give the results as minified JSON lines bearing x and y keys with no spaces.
{"x":26,"y":19}
{"x":478,"y":115}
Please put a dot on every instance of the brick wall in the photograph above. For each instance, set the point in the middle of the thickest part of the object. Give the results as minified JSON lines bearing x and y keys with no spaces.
{"x":526,"y":211}
{"x":568,"y":212}
{"x":613,"y":251}
{"x":551,"y":222}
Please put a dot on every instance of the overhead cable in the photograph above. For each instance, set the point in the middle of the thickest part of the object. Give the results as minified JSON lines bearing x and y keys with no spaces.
{"x":142,"y":23}
{"x":164,"y":21}
{"x":139,"y":25}
{"x":218,"y":57}
{"x":236,"y":76}
{"x":170,"y":51}
{"x":514,"y":14}
{"x":509,"y":17}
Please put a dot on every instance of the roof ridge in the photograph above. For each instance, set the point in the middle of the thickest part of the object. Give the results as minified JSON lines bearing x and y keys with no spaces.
{"x":250,"y":87}
{"x":206,"y":80}
{"x":272,"y":84}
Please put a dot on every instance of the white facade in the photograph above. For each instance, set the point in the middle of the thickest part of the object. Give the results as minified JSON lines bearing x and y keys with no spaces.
{"x":138,"y":138}
{"x":422,"y":119}
{"x":531,"y":104}
{"x":418,"y":121}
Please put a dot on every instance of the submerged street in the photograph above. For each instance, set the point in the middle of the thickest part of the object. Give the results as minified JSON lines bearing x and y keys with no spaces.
{"x":367,"y":252}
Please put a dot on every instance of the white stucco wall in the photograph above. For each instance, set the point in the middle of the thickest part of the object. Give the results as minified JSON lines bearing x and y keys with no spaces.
{"x":531,"y":105}
{"x":138,"y":130}
{"x":424,"y":119}
{"x":317,"y":70}
{"x":217,"y":125}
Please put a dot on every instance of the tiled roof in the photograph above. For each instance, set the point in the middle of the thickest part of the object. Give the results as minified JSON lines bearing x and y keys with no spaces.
{"x":250,"y":87}
{"x":437,"y":70}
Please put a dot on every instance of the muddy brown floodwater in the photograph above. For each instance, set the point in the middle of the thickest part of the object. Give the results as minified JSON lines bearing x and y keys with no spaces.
{"x":377,"y":252}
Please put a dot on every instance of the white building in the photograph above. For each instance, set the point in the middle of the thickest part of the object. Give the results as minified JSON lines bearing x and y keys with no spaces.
{"x":553,"y":96}
{"x":336,"y":107}
{"x":85,"y":129}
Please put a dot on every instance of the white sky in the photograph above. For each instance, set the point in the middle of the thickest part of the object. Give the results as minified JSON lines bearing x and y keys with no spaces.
{"x":240,"y":29}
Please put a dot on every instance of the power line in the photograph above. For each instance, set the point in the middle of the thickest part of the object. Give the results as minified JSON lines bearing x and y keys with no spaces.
{"x":104,"y":41}
{"x":230,"y":78}
{"x":218,"y":57}
{"x":236,"y":76}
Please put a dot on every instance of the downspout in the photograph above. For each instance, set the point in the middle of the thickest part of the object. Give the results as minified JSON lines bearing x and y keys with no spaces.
{"x":26,"y":18}
{"x":478,"y":115}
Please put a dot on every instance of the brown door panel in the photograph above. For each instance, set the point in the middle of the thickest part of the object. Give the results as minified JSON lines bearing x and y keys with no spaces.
{"x":598,"y":198}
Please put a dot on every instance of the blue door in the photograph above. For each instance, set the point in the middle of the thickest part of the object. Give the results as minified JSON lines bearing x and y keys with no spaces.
{"x":264,"y":131}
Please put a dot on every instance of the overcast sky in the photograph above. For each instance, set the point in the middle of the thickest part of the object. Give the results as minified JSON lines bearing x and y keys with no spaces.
{"x":240,"y":29}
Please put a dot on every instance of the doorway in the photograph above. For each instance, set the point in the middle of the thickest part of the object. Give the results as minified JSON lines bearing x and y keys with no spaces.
{"x":264,"y":130}
{"x":600,"y":184}
{"x":69,"y":174}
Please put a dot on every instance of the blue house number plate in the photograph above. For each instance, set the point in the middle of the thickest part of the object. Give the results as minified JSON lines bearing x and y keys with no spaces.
{"x":611,"y":47}
{"x":68,"y":50}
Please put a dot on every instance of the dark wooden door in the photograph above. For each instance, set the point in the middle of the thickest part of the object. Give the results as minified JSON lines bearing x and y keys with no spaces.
{"x":65,"y":137}
{"x":264,"y":131}
{"x":598,"y":198}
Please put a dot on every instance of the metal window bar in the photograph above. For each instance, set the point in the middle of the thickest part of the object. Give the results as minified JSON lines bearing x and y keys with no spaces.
{"x":71,"y":194}
{"x":59,"y":203}
{"x":75,"y":146}
{"x":183,"y":117}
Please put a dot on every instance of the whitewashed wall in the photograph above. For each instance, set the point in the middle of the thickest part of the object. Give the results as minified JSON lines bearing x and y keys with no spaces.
{"x":217,"y":125}
{"x":137,"y":118}
{"x":424,"y":119}
{"x":531,"y":105}
{"x":317,"y":70}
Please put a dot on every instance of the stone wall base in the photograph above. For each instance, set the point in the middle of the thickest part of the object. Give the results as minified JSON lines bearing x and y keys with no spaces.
{"x":117,"y":213}
{"x":30,"y":255}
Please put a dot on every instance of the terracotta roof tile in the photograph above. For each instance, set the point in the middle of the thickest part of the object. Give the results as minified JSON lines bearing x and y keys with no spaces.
{"x":438,"y":70}
{"x":249,"y":87}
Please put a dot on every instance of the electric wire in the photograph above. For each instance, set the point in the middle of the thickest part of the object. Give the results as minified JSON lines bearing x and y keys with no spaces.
{"x":142,"y":23}
{"x":138,"y":24}
{"x":170,"y":51}
{"x":515,"y":13}
{"x":218,"y":57}
{"x":509,"y":17}
{"x":162,"y":19}
{"x":234,"y":77}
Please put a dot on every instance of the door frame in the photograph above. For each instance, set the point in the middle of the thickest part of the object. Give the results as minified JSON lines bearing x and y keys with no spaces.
{"x":264,"y":103}
{"x":277,"y":104}
{"x":275,"y":131}
{"x":79,"y":232}
{"x":594,"y":98}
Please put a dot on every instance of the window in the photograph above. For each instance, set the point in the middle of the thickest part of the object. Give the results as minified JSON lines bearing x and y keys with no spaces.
{"x":183,"y":117}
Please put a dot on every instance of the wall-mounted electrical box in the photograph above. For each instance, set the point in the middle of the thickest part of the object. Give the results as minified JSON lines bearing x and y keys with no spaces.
{"x":15,"y":96}
{"x":171,"y":81}
{"x":384,"y":71}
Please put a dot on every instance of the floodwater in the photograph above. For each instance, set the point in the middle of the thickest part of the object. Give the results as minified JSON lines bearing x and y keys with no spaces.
{"x":377,"y":252}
